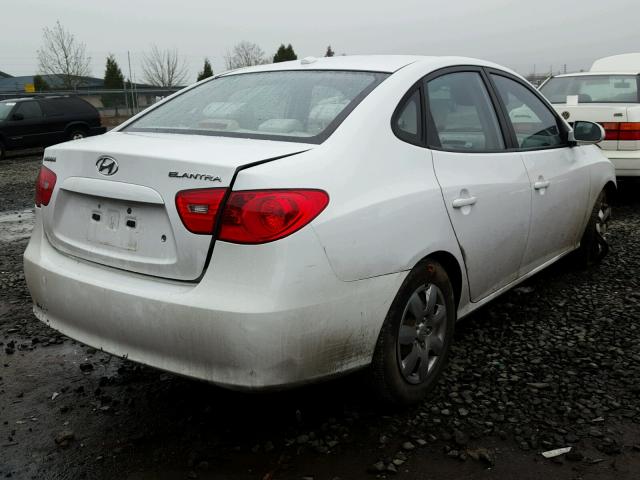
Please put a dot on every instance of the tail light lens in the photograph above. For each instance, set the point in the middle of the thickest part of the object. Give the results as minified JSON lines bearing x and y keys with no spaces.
{"x":198,"y":209}
{"x":250,"y":216}
{"x":629,"y":131}
{"x":621,"y":130}
{"x":45,"y":184}
{"x":260,"y":216}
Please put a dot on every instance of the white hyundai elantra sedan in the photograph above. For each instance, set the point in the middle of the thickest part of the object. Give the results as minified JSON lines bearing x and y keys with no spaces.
{"x":286,"y":223}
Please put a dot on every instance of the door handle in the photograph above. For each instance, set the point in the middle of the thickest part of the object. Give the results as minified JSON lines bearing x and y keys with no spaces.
{"x":463,"y":202}
{"x":540,"y":184}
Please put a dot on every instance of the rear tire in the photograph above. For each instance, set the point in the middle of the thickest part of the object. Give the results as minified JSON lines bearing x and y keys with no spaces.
{"x":2,"y":151}
{"x":593,"y":245}
{"x":415,"y":339}
{"x":77,"y":134}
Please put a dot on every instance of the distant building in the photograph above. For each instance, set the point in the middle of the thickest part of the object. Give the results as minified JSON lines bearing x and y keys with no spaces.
{"x":9,"y":84}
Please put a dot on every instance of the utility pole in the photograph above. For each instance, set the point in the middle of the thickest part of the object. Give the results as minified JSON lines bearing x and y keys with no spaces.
{"x":134,"y":101}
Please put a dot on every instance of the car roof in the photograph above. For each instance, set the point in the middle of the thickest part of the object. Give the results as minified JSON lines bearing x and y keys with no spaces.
{"x":371,"y":63}
{"x":593,"y":74}
{"x":14,"y":100}
{"x":37,"y":97}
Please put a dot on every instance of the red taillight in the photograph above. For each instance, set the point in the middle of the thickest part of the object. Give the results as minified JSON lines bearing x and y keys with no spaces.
{"x":621,"y":130}
{"x":250,"y":216}
{"x":198,"y":209}
{"x":611,"y":130}
{"x":260,"y":216}
{"x":45,"y":183}
{"x":629,"y":131}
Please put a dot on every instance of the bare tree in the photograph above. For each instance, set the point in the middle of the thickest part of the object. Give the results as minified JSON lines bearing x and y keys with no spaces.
{"x":63,"y":56}
{"x":244,"y":54}
{"x":164,"y":68}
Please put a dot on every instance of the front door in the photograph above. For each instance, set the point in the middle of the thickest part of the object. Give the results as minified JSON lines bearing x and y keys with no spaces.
{"x":24,"y":127}
{"x":485,"y":188}
{"x":558,"y":174}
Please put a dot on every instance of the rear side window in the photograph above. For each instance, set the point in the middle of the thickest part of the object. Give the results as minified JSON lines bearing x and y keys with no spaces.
{"x":29,"y":110}
{"x":592,"y":89}
{"x":66,"y":106}
{"x":534,"y":124}
{"x":303,"y":106}
{"x":462,"y":114}
{"x":407,"y":124}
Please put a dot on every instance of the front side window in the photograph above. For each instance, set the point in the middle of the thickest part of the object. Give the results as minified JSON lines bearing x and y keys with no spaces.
{"x":5,"y":109}
{"x":287,"y":105}
{"x":592,"y":89}
{"x":462,"y":113}
{"x":534,"y":124}
{"x":29,"y":110}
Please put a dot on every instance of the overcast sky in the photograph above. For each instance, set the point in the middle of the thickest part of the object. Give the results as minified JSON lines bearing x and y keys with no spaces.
{"x":514,"y":33}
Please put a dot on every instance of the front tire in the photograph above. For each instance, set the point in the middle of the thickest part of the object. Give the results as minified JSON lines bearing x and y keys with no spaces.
{"x":593,"y":245}
{"x":416,"y":336}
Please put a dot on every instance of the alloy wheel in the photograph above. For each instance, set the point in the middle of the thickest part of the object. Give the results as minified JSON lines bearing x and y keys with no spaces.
{"x":422,"y":333}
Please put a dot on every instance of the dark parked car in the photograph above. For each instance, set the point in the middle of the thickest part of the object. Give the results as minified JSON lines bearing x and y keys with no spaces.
{"x":44,"y":121}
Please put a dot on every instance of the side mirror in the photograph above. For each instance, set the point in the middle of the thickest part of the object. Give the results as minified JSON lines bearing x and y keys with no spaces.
{"x":17,"y":117}
{"x":586,"y":133}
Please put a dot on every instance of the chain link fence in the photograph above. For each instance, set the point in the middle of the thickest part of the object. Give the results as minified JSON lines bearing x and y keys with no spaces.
{"x":114,"y":106}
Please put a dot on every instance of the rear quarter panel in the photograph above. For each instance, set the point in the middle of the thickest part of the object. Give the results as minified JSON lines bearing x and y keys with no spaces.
{"x":386,"y":210}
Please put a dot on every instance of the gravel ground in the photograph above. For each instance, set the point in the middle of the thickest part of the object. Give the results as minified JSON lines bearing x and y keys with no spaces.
{"x":551,"y":364}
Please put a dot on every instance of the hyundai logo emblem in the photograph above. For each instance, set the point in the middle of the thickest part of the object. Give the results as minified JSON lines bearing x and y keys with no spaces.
{"x":107,"y":165}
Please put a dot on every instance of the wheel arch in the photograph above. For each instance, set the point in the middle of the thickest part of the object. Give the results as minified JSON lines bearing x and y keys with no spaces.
{"x":453,"y":269}
{"x":611,"y":190}
{"x":78,"y":124}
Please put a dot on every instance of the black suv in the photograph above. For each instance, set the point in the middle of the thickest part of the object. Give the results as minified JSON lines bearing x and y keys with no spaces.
{"x":43,"y":121}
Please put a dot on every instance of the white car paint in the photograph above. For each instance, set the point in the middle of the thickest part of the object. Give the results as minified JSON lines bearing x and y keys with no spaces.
{"x":309,"y":305}
{"x":624,"y":154}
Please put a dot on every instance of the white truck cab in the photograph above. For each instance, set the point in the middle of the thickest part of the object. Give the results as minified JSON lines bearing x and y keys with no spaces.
{"x":607,"y":94}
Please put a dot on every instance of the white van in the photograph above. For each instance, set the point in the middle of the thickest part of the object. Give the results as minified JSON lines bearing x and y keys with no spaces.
{"x":607,"y":94}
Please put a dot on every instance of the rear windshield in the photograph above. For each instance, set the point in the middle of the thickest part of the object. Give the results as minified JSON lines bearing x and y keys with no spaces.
{"x":593,"y":89}
{"x":303,"y":106}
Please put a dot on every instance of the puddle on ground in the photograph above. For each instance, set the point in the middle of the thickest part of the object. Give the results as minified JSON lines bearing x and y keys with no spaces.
{"x":16,"y":225}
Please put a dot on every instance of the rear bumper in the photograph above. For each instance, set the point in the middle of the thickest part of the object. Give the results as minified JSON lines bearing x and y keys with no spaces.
{"x":627,"y":162}
{"x":271,"y":317}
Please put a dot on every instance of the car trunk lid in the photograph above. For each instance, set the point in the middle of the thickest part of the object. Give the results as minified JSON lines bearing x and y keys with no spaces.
{"x":114,"y":202}
{"x":613,"y":117}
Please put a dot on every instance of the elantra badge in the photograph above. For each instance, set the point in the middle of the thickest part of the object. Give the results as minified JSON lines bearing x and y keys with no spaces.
{"x":195,"y":176}
{"x":107,"y":165}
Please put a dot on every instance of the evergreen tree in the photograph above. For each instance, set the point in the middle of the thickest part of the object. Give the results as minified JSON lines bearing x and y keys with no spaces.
{"x":113,"y":77}
{"x":113,"y":80}
{"x":40,"y":84}
{"x":330,"y":53}
{"x":284,"y":54}
{"x":292,"y":55}
{"x":206,"y":72}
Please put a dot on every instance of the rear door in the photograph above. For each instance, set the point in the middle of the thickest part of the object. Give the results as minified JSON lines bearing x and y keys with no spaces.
{"x":559,"y":175}
{"x":484,"y":185}
{"x":55,"y":120}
